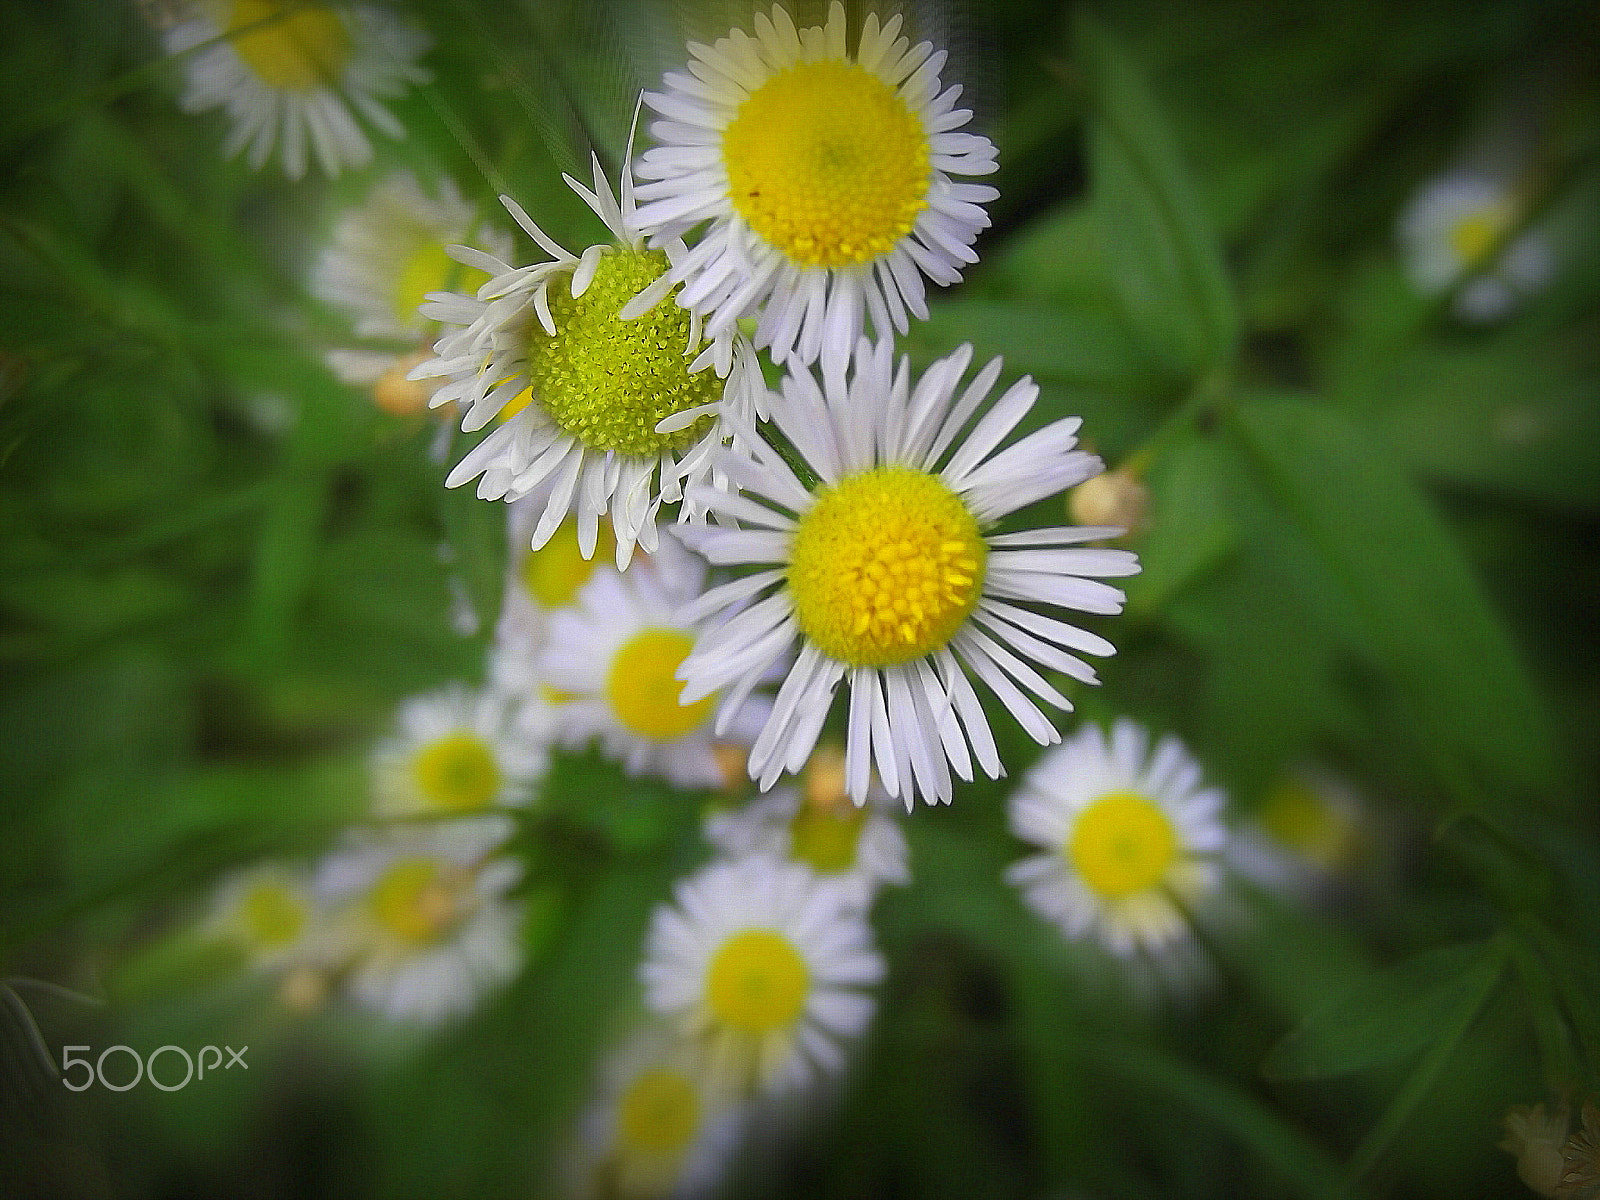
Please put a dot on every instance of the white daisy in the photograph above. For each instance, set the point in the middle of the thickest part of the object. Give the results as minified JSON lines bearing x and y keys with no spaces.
{"x":383,"y":258}
{"x":289,"y":73}
{"x":539,"y":582}
{"x":655,"y":1128}
{"x":885,"y":576}
{"x":767,"y":968}
{"x":858,"y":848}
{"x":1132,"y":838}
{"x":826,"y":179}
{"x":613,"y":658}
{"x":268,"y":912}
{"x":1448,"y":232}
{"x":1308,"y":829}
{"x":426,"y":916}
{"x":607,"y":415}
{"x":457,"y":751}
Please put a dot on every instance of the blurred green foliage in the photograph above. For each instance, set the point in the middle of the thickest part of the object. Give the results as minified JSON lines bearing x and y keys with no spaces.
{"x":1372,"y":544}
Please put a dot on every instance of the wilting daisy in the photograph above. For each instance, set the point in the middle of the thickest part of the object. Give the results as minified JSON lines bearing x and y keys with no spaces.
{"x":613,"y":659}
{"x":885,"y":574}
{"x":289,"y":73}
{"x":1451,"y":228}
{"x":860,"y":848}
{"x":425,"y":914}
{"x":384,"y":256}
{"x":1131,"y":838}
{"x":456,"y":751}
{"x":655,"y":1128}
{"x":826,"y":178}
{"x":608,"y":416}
{"x":767,"y":968}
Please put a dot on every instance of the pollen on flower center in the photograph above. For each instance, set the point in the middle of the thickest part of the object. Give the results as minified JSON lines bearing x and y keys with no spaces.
{"x":827,"y":163}
{"x":609,"y":382}
{"x":658,"y":1113}
{"x":413,"y":901}
{"x":825,"y":839}
{"x":644,"y":691}
{"x":457,"y":773}
{"x":885,"y":567}
{"x":555,"y":573}
{"x":273,"y":915}
{"x":292,"y":47}
{"x":757,"y":981}
{"x":1122,"y":844}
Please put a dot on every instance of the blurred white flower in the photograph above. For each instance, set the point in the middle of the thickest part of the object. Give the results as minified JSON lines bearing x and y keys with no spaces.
{"x":767,"y":968}
{"x":1131,"y":837}
{"x":1461,"y":224}
{"x":291,"y":73}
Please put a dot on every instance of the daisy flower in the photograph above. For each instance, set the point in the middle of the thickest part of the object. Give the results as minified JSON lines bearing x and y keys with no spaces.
{"x":269,"y":913}
{"x":859,"y":848}
{"x":1131,"y":837}
{"x":427,"y":918}
{"x":456,"y":751}
{"x":385,"y":255}
{"x":766,"y":968}
{"x":886,"y":577}
{"x":538,"y":583}
{"x":606,"y":415}
{"x":1308,"y":829}
{"x":289,"y":73}
{"x":1451,"y":228}
{"x":613,"y":658}
{"x":655,"y":1128}
{"x":826,"y":180}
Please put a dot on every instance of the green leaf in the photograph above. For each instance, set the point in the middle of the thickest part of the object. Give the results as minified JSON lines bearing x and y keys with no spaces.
{"x":1387,"y":1016}
{"x":1411,"y":592}
{"x":1087,"y":345}
{"x":1191,"y":531}
{"x":1162,"y":252}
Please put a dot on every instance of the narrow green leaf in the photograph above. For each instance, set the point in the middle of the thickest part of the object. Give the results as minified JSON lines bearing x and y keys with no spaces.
{"x":1163,"y":254}
{"x":1384,"y":1017}
{"x":1412,"y":594}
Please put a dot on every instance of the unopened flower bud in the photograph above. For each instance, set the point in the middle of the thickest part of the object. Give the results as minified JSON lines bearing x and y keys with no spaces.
{"x":1111,"y":498}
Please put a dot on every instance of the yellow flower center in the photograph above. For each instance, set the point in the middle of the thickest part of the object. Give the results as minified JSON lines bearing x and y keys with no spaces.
{"x":414,"y":901}
{"x":658,"y":1113}
{"x":825,"y":838}
{"x":885,"y":567}
{"x":643,"y":689}
{"x":429,"y":269}
{"x":827,"y":163}
{"x":757,"y":982}
{"x":608,"y":382}
{"x":291,"y":47}
{"x":1474,"y":235}
{"x":557,"y":571}
{"x":273,"y":914}
{"x":1122,"y":845}
{"x":457,"y":773}
{"x":1301,"y":818}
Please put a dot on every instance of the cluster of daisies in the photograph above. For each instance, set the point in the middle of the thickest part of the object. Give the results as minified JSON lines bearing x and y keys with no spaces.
{"x":728,"y":501}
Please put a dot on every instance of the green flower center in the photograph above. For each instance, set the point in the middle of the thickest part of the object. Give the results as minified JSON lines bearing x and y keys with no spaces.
{"x":608,"y":382}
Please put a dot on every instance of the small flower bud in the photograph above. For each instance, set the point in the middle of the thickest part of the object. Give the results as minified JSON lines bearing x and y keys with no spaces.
{"x":1111,"y":498}
{"x":399,"y":396}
